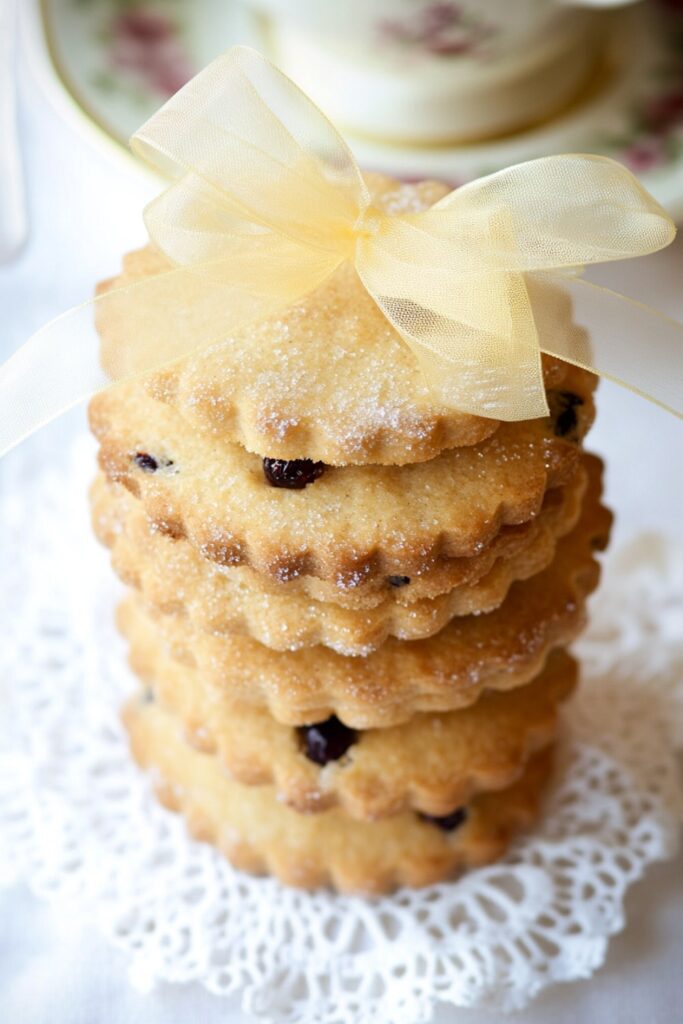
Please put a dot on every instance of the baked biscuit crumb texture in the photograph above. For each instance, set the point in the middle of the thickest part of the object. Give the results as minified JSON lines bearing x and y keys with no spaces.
{"x":433,"y":763}
{"x":112,"y":503}
{"x":260,"y":834}
{"x":328,"y":379}
{"x":501,"y":650}
{"x":348,"y":604}
{"x":351,"y":525}
{"x":173,"y":577}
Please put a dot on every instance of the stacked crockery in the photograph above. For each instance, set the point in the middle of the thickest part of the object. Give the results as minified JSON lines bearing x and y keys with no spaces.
{"x":349,"y":604}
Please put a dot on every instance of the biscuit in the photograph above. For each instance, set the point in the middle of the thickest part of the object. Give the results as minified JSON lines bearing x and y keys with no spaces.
{"x":328,"y":379}
{"x":501,"y":650}
{"x":106,"y":497}
{"x":174,"y":578}
{"x":259,"y":834}
{"x":433,"y":763}
{"x":349,"y":525}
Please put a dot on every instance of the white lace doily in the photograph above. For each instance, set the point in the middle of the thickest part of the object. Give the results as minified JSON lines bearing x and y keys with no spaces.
{"x":79,"y":825}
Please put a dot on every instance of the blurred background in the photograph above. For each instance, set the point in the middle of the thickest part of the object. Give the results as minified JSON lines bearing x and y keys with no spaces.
{"x":452,"y":90}
{"x":422,"y":88}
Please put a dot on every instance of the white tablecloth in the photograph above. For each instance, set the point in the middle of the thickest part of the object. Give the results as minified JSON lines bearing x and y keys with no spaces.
{"x":84,"y":211}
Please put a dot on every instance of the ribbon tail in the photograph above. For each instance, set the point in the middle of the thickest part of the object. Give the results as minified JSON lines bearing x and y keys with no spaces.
{"x":53,"y":371}
{"x":129,"y":331}
{"x":624,"y":340}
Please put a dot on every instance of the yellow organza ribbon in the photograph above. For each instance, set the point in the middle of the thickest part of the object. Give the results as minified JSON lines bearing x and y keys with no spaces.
{"x":266,"y":201}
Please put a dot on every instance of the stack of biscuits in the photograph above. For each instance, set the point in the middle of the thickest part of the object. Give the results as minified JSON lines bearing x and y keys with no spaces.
{"x":349,"y":604}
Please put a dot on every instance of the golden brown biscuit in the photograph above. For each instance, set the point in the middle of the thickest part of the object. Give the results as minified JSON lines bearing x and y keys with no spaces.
{"x":349,"y":525}
{"x":501,"y":650}
{"x":433,"y":763}
{"x":440,"y":579}
{"x":173,"y":577}
{"x":259,"y":834}
{"x":327,"y":379}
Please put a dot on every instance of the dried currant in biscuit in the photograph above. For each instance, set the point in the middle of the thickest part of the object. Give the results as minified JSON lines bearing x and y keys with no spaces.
{"x":398,"y":581}
{"x":150,"y":463}
{"x":563,"y":406}
{"x":146,"y":462}
{"x":326,"y":741}
{"x":294,"y":474}
{"x":447,"y":822}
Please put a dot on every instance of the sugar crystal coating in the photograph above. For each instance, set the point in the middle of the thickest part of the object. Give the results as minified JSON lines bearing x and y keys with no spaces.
{"x":352,"y":525}
{"x":327,"y":378}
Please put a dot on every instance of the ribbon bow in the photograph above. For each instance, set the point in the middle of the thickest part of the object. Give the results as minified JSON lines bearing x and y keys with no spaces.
{"x":266,"y":201}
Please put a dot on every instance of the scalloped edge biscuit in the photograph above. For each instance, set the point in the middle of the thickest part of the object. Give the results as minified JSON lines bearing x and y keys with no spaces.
{"x":328,"y":378}
{"x":433,"y":763}
{"x":500,"y":650}
{"x":175,"y":579}
{"x":260,"y":835}
{"x":350,"y":525}
{"x":367,"y":593}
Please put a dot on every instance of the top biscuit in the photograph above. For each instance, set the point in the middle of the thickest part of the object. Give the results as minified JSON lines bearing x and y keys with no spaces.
{"x":327,"y":379}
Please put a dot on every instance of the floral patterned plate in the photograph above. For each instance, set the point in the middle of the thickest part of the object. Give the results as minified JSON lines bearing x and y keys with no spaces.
{"x":107,"y":65}
{"x":110,"y":63}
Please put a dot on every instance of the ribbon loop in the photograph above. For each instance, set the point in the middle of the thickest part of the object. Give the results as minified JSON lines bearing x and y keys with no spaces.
{"x":259,"y":150}
{"x":562,"y":211}
{"x":266,"y":201}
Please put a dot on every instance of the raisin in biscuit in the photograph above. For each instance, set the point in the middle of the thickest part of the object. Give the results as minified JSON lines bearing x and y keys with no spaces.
{"x":259,"y":834}
{"x":501,"y":650}
{"x":433,"y":763}
{"x":329,"y":378}
{"x":174,"y":578}
{"x":350,"y":524}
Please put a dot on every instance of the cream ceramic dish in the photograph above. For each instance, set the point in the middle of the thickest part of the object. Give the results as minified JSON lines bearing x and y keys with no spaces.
{"x":107,"y":69}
